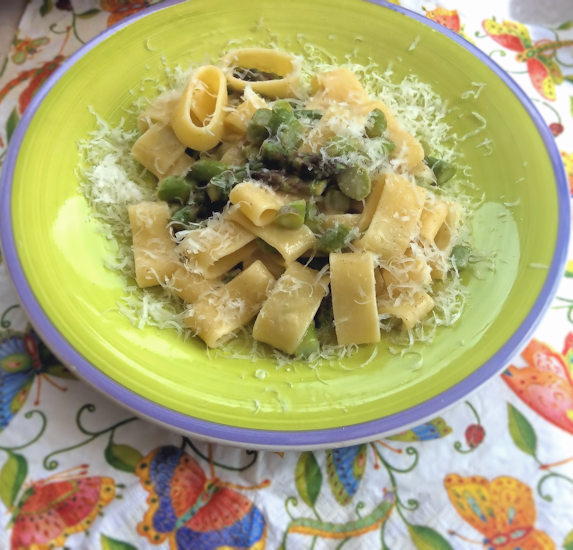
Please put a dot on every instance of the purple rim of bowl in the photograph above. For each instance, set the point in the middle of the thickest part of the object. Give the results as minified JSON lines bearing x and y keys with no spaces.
{"x":271,"y":438}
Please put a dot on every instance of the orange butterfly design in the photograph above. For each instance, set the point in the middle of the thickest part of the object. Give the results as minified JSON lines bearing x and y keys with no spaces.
{"x":539,"y":57}
{"x":52,"y":509}
{"x":502,"y":510}
{"x":545,"y":384}
{"x":445,"y":17}
{"x":119,"y":9}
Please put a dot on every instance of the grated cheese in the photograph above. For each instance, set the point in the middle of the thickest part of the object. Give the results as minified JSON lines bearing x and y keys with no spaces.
{"x":475,"y":93}
{"x":414,"y":44}
{"x":112,"y":180}
{"x":482,"y":126}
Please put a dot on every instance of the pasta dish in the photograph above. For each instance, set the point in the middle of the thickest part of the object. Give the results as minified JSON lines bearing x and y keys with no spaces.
{"x":290,"y":205}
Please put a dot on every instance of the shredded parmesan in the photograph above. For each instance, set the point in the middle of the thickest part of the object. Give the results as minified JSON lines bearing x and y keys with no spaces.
{"x":474,"y":93}
{"x":414,"y":44}
{"x":112,"y":180}
{"x":482,"y":126}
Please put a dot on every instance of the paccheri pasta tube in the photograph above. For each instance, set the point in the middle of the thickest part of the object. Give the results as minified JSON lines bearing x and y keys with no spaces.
{"x":273,"y":195}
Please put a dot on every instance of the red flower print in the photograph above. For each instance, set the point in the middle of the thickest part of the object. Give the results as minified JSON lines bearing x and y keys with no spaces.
{"x":119,"y":9}
{"x":36,"y":78}
{"x":26,"y":47}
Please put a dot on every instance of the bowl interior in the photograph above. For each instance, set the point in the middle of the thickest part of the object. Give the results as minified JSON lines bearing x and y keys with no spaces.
{"x":63,"y":254}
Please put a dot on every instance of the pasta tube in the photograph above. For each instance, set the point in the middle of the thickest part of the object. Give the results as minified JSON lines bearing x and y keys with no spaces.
{"x":198,"y":116}
{"x":219,"y":313}
{"x":257,"y":202}
{"x":153,"y":250}
{"x":290,"y":308}
{"x":354,"y":298}
{"x":272,"y":62}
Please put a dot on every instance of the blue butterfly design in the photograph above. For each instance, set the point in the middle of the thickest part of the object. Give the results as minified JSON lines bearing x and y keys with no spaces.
{"x":22,"y":357}
{"x":345,"y":469}
{"x":345,"y":466}
{"x":193,"y":512}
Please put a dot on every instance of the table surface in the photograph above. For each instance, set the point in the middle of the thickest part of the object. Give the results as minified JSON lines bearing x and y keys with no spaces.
{"x":79,"y":471}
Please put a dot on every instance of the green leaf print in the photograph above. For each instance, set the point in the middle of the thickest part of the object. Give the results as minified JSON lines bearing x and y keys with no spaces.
{"x":59,"y":371}
{"x":348,"y":463}
{"x":425,"y":538}
{"x":11,"y":123}
{"x":568,"y":542}
{"x":46,"y":7}
{"x":12,"y":475}
{"x":331,"y":530}
{"x":107,"y":543}
{"x":565,"y":26}
{"x":521,"y":431}
{"x":122,"y":457}
{"x":89,"y":13}
{"x":308,"y":478}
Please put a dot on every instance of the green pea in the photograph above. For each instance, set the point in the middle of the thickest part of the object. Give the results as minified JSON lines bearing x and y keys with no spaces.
{"x":387,"y":146}
{"x":340,"y":147}
{"x":174,"y":188}
{"x":309,"y":343}
{"x":460,"y":256}
{"x":254,"y":164}
{"x":291,"y":215}
{"x":313,"y":219}
{"x":205,"y":169}
{"x":335,"y":201}
{"x":240,"y":173}
{"x":317,"y":187}
{"x":186,"y":215}
{"x":444,"y":171}
{"x":311,"y":114}
{"x":273,"y":153}
{"x":375,"y":124}
{"x":282,"y":113}
{"x":220,"y":186}
{"x":335,"y":238}
{"x":251,"y":152}
{"x":354,"y":183}
{"x":290,"y":136}
{"x":259,"y":125}
{"x":215,"y":193}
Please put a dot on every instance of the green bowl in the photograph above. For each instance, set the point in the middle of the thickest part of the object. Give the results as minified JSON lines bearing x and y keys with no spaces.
{"x":56,"y":255}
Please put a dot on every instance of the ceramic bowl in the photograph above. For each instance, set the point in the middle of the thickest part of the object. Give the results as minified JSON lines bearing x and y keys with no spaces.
{"x":56,"y":256}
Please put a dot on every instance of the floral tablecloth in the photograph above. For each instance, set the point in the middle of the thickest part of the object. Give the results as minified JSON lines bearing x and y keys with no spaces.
{"x":495,"y":471}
